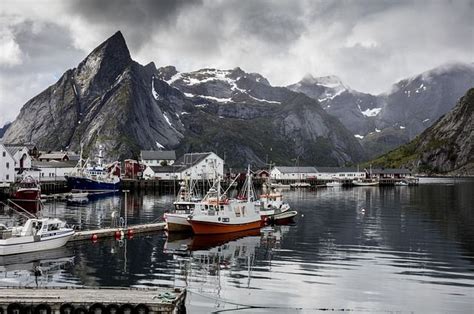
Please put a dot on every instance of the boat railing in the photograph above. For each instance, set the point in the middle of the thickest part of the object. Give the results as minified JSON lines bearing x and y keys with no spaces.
{"x":5,"y":234}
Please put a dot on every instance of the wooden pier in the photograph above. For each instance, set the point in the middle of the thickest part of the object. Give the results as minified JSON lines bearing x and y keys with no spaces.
{"x":122,"y":231}
{"x":92,"y":300}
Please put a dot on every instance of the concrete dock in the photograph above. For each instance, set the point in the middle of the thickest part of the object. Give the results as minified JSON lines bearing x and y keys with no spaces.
{"x":112,"y":232}
{"x":92,"y":300}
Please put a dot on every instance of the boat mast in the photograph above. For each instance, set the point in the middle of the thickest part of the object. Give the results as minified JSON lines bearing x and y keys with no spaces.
{"x":249,"y":182}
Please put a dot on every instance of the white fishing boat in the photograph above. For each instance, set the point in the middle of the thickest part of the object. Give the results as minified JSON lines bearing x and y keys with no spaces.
{"x":186,"y":200}
{"x":298,"y":185}
{"x":218,"y":214}
{"x":284,"y":217}
{"x":334,"y":183}
{"x":369,"y":180}
{"x":37,"y":234}
{"x":270,"y":203}
{"x":365,"y":182}
{"x":401,"y":183}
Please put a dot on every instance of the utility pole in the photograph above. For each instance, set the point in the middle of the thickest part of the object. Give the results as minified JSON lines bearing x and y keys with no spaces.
{"x":126,"y":192}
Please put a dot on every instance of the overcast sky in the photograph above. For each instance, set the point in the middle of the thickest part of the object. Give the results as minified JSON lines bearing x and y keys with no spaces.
{"x":369,"y":44}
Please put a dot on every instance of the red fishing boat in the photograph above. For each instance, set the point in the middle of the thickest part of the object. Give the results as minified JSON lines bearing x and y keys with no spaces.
{"x":28,"y":194}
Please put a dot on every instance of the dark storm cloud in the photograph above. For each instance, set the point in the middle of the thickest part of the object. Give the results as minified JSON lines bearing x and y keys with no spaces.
{"x":137,"y":17}
{"x":370,"y":44}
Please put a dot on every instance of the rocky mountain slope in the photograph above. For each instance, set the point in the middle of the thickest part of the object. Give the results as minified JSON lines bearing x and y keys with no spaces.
{"x":4,"y":129}
{"x":111,"y":100}
{"x":446,"y":146}
{"x":382,"y":122}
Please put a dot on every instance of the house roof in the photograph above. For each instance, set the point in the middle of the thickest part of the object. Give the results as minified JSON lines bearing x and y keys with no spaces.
{"x":13,"y":149}
{"x":297,"y":169}
{"x":158,"y":154}
{"x":191,"y":159}
{"x":53,"y":156}
{"x":27,"y":145}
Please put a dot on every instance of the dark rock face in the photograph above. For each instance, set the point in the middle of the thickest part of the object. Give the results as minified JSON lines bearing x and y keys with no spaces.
{"x":242,"y":115}
{"x":4,"y":129}
{"x":107,"y":99}
{"x":446,"y":146}
{"x":410,"y":107}
{"x":449,"y":144}
{"x":111,"y":100}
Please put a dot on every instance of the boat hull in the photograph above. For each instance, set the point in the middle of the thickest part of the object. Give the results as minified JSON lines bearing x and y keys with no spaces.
{"x":284,"y":217}
{"x":27,"y":195}
{"x":85,"y":184}
{"x":28,"y":244}
{"x":365,"y":183}
{"x":206,"y":227}
{"x":177,"y":223}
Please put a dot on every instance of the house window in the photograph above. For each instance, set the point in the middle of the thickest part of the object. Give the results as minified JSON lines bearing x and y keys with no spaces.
{"x":4,"y":154}
{"x":8,"y":165}
{"x":8,"y":177}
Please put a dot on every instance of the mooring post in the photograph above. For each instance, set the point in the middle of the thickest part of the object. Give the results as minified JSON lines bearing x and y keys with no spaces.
{"x":126,"y":192}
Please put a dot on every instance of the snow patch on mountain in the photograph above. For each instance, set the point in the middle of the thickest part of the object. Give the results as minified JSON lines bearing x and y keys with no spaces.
{"x":153,"y":91}
{"x":371,"y":112}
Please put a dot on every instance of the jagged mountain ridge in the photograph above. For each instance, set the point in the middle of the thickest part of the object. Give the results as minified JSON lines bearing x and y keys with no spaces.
{"x":277,"y":122}
{"x":446,"y":146}
{"x":385,"y":121}
{"x":105,"y":99}
{"x":111,"y":100}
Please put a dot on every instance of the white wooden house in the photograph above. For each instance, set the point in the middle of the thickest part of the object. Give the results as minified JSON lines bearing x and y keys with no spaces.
{"x":293,"y":173}
{"x":339,"y":173}
{"x":191,"y":166}
{"x":7,"y":166}
{"x":51,"y":170}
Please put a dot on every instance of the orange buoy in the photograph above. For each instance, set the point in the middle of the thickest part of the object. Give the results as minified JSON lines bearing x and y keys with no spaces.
{"x":118,"y":234}
{"x":94,"y":238}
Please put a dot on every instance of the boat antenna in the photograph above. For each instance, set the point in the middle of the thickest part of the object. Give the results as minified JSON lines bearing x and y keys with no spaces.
{"x":249,"y":183}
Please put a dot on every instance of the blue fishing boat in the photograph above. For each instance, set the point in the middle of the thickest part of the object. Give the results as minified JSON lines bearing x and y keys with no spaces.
{"x":97,"y":177}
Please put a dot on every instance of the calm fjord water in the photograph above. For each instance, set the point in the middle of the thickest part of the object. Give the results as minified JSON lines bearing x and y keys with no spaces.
{"x":365,"y":249}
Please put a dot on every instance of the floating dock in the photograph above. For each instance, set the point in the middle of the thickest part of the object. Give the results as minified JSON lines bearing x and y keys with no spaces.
{"x":112,"y":232}
{"x":92,"y":300}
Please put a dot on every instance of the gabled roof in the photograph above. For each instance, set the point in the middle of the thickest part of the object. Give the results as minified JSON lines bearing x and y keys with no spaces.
{"x":27,"y":145}
{"x":191,"y":159}
{"x":296,"y":169}
{"x":53,"y":156}
{"x":158,"y":154}
{"x":13,"y":149}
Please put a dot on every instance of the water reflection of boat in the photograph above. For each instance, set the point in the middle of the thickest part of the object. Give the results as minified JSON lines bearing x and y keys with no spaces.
{"x":183,"y":243}
{"x":25,"y":261}
{"x":37,"y":268}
